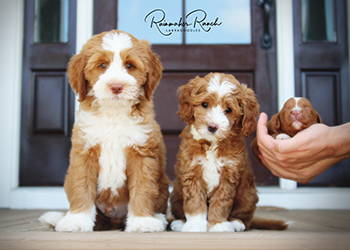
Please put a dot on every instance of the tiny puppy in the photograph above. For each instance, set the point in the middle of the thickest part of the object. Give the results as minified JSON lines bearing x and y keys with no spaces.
{"x":214,"y":188}
{"x":116,"y":177}
{"x":296,"y":114}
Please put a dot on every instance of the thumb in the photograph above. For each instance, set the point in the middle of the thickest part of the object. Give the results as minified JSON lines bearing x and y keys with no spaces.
{"x":264,"y":139}
{"x":261,"y":127}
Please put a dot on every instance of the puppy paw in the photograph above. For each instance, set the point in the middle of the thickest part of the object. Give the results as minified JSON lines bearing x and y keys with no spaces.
{"x":79,"y":222}
{"x":51,"y":219}
{"x":162,"y":218}
{"x":223,"y":227}
{"x":282,"y":137}
{"x":197,"y":223}
{"x":238,"y":225}
{"x":177,"y":225}
{"x":145,"y":224}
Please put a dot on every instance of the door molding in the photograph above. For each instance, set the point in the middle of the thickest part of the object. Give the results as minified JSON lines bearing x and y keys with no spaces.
{"x":11,"y":196}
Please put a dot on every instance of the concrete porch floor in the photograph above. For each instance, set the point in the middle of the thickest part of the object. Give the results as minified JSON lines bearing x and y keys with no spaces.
{"x":312,"y":229}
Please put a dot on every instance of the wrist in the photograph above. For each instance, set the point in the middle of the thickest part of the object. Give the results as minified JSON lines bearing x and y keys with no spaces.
{"x":339,"y":138}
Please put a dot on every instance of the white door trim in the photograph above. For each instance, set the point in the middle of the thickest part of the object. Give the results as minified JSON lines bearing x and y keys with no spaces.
{"x":11,"y":26}
{"x":285,"y":62}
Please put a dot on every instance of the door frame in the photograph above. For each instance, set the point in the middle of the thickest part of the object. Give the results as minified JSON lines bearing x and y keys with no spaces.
{"x":12,"y":196}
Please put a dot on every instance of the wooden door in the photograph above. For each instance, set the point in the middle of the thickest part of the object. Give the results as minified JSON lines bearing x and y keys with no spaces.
{"x":322,"y":70}
{"x":47,"y":109}
{"x":248,"y":62}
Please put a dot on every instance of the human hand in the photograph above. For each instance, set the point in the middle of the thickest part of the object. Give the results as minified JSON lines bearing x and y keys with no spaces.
{"x":301,"y":158}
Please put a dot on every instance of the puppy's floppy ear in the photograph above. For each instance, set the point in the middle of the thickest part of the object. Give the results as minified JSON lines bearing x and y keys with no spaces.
{"x":319,"y":120}
{"x":186,"y":108}
{"x":250,"y":107}
{"x":274,"y":124}
{"x":255,"y":149}
{"x":76,"y":75}
{"x":154,"y":70}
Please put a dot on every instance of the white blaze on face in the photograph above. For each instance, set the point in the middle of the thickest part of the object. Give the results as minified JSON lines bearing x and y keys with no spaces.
{"x":116,"y":72}
{"x":296,"y":108}
{"x":116,"y":42}
{"x":222,"y":89}
{"x":216,"y":114}
{"x":296,"y":124}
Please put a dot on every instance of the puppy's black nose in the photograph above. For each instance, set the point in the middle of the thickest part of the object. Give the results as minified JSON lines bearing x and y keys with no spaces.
{"x":212,"y":127}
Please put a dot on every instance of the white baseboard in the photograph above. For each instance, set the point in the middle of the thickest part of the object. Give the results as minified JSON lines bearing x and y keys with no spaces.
{"x":305,"y":198}
{"x":39,"y":198}
{"x":301,"y":198}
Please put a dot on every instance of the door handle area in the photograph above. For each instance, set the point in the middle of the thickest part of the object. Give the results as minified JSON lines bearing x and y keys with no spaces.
{"x":266,"y":40}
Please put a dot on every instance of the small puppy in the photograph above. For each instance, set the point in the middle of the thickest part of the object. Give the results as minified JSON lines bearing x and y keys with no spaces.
{"x":116,"y":174}
{"x":214,"y":188}
{"x":296,"y":114}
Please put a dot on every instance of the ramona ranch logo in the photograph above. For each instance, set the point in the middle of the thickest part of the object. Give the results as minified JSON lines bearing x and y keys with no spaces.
{"x":195,"y":21}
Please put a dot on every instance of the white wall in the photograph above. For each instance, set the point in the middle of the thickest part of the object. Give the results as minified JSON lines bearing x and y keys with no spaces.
{"x":11,"y":23}
{"x":11,"y":30}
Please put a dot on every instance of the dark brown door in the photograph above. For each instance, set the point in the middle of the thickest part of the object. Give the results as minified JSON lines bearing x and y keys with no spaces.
{"x":249,"y":63}
{"x":47,"y":109}
{"x":322,"y":69}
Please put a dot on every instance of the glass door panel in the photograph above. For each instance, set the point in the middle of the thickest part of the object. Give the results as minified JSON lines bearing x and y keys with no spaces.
{"x":318,"y":21}
{"x":231,"y":22}
{"x":198,"y":22}
{"x":51,"y":21}
{"x":144,"y":19}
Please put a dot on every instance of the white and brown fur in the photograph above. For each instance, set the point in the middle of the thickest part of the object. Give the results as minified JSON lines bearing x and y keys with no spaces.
{"x":296,"y":114}
{"x":214,"y":188}
{"x":116,"y":177}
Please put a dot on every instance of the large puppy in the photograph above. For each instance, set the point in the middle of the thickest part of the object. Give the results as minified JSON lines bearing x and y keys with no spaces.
{"x":296,"y":114}
{"x":117,"y":161}
{"x":214,"y":188}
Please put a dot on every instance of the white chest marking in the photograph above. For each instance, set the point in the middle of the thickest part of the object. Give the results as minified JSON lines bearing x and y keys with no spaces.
{"x":114,"y":134}
{"x":211,"y":166}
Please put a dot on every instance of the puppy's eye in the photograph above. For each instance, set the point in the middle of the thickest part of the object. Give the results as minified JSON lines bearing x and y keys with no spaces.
{"x":204,"y":105}
{"x":103,"y":65}
{"x":129,"y":65}
{"x":228,"y":110}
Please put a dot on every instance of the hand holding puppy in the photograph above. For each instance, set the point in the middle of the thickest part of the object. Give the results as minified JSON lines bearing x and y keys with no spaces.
{"x":306,"y":155}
